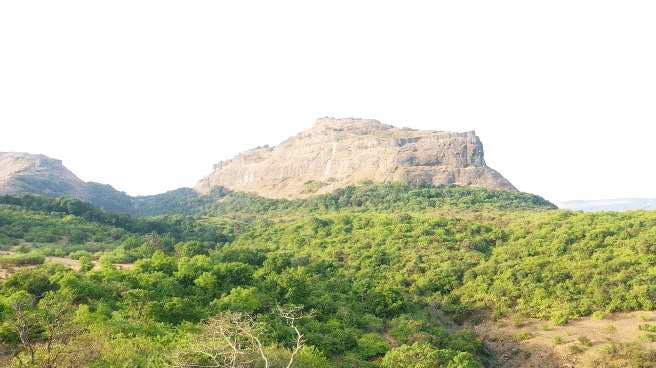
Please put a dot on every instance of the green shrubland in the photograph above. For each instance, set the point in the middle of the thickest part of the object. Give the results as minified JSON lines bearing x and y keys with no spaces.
{"x":380,"y":276}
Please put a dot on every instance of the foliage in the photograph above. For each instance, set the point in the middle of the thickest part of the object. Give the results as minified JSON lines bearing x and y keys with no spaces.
{"x":22,"y":259}
{"x":384,"y":271}
{"x":380,"y":197}
{"x":177,"y":226}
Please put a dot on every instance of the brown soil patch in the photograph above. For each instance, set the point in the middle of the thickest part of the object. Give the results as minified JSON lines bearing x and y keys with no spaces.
{"x":615,"y":341}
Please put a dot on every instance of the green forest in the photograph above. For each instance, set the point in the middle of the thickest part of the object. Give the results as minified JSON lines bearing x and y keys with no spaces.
{"x":379,"y":276}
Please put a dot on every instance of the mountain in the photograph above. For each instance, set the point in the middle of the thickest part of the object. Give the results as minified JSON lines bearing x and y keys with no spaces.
{"x":615,"y":205}
{"x":336,"y":153}
{"x":25,"y":173}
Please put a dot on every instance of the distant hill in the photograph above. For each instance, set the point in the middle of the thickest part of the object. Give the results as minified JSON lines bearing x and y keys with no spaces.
{"x":337,"y":153}
{"x":622,"y":204}
{"x":353,"y":163}
{"x":25,"y":173}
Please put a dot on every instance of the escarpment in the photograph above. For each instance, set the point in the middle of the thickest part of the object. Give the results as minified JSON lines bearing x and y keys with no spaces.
{"x":336,"y":153}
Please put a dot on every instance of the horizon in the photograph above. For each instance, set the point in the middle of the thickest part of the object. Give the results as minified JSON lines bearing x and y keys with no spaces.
{"x":152,"y":94}
{"x":557,"y":202}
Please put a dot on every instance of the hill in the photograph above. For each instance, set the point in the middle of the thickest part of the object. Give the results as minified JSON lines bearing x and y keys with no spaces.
{"x":337,"y":153}
{"x":334,"y":154}
{"x":24,"y":173}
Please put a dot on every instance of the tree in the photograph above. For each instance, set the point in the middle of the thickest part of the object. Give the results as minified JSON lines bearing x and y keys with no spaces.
{"x":48,"y":336}
{"x":236,"y":340}
{"x":191,"y":248}
{"x":241,"y":300}
{"x":426,"y":356}
{"x":86,"y":264}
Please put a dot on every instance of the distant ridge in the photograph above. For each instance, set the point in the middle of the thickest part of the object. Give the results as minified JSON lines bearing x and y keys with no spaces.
{"x":334,"y":154}
{"x":617,"y":205}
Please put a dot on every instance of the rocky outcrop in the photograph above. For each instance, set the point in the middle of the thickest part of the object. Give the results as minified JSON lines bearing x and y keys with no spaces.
{"x":25,"y":173}
{"x":340,"y":152}
{"x":333,"y":154}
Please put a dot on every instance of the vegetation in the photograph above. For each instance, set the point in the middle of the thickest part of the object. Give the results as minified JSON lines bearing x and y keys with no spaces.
{"x":372,"y":276}
{"x":386,"y":197}
{"x":379,"y":197}
{"x":177,"y":226}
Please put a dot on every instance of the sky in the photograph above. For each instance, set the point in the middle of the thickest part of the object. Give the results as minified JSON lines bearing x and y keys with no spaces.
{"x":148,"y":95}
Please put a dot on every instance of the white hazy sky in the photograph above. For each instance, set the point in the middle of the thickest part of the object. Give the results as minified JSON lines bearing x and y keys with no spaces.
{"x":147,"y":95}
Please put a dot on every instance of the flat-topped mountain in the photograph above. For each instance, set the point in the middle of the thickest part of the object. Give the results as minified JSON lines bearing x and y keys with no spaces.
{"x":333,"y":154}
{"x":336,"y":153}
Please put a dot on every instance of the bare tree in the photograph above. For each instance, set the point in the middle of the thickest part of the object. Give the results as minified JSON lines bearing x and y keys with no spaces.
{"x":236,"y":340}
{"x":292,"y":314}
{"x":222,"y":343}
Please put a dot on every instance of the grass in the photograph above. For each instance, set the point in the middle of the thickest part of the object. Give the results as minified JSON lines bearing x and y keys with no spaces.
{"x":648,"y":337}
{"x":600,"y":315}
{"x":584,"y":341}
{"x":523,"y":336}
{"x":610,"y":349}
{"x":576,"y":349}
{"x":647,"y":328}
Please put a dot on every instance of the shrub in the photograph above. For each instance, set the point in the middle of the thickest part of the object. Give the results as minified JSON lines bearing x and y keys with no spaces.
{"x":372,"y":345}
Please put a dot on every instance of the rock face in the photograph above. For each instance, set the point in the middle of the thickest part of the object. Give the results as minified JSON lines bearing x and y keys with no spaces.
{"x":22,"y":173}
{"x":335,"y":153}
{"x":25,"y":173}
{"x":339,"y":152}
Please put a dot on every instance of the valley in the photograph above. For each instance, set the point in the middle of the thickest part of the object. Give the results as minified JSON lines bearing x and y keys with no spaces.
{"x":479,"y":284}
{"x":352,"y":245}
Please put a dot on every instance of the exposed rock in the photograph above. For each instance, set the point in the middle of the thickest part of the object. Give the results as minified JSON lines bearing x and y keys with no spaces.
{"x":333,"y":154}
{"x":340,"y":152}
{"x":25,"y":173}
{"x":22,"y":173}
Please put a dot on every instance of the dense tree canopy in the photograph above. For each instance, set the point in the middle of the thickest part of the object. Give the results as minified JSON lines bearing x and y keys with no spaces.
{"x":379,"y":275}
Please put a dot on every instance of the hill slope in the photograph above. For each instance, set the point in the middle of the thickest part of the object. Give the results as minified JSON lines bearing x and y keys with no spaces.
{"x":336,"y":153}
{"x":24,"y":173}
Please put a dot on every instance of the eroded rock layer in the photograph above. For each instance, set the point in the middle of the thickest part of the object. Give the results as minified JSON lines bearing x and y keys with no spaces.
{"x":336,"y":153}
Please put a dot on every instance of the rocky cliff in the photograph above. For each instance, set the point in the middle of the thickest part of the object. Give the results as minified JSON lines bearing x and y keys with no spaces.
{"x":336,"y":153}
{"x":25,"y":173}
{"x":22,"y":173}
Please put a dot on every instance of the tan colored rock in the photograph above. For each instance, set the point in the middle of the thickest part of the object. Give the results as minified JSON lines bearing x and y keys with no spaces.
{"x":23,"y":173}
{"x":339,"y":152}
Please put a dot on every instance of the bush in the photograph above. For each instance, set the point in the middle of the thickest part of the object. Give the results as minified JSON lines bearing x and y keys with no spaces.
{"x":22,"y":259}
{"x":372,"y":345}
